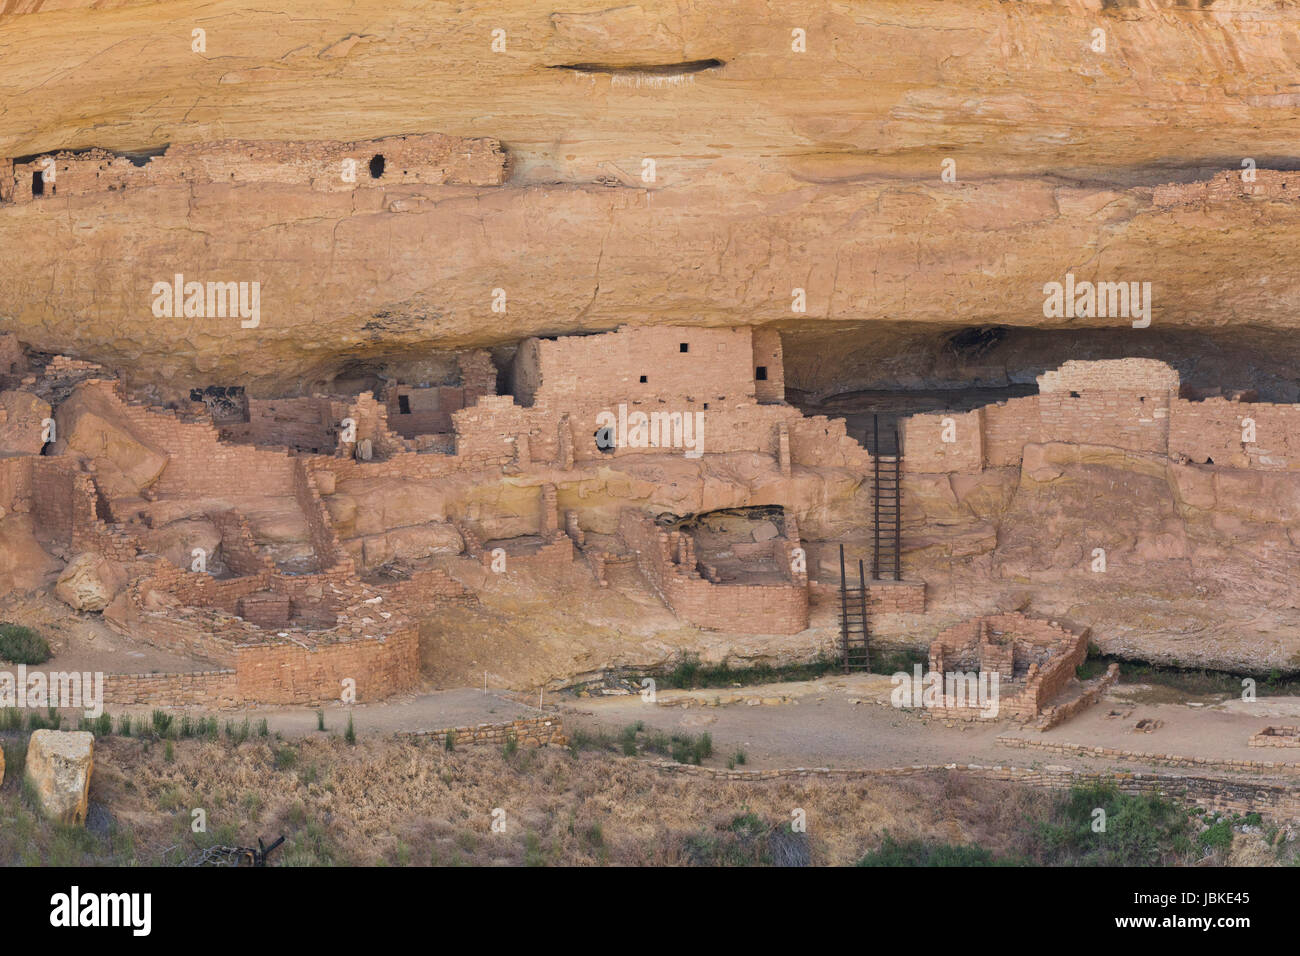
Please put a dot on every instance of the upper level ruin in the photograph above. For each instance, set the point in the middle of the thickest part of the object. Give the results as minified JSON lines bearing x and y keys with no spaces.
{"x":429,"y":159}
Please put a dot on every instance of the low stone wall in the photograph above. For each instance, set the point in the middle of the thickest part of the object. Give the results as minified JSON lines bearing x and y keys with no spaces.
{"x":1276,"y":800}
{"x":1282,"y":736}
{"x":529,"y":732}
{"x":199,"y":689}
{"x":1172,"y":760}
{"x":1053,"y":716}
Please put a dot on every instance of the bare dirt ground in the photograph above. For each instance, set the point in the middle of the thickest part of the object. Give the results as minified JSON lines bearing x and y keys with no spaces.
{"x":848,"y":722}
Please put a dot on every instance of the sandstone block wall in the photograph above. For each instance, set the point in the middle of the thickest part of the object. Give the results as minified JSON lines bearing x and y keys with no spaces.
{"x":1227,"y":187}
{"x":759,"y":609}
{"x":307,"y":424}
{"x":769,"y":366}
{"x":895,"y":597}
{"x":1131,"y":404}
{"x":1279,"y":736}
{"x":1008,"y":427}
{"x":926,"y":451}
{"x":430,"y":159}
{"x":428,"y":410}
{"x":529,"y":732}
{"x":716,"y":366}
{"x":1130,"y":419}
{"x":1212,"y":430}
{"x":287,"y":673}
{"x":215,"y":689}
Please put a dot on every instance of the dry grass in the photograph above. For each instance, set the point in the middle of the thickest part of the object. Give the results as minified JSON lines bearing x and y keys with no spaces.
{"x":397,"y":801}
{"x":409,"y":802}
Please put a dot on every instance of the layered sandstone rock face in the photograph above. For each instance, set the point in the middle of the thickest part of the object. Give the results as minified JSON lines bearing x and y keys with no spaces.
{"x":793,"y":146}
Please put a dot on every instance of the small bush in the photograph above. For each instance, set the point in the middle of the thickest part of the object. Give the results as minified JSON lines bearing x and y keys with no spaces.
{"x":262,"y":728}
{"x":124,"y":725}
{"x":320,"y":720}
{"x":238,"y":733}
{"x":22,"y":645}
{"x":921,"y":853}
{"x":15,"y":758}
{"x":350,"y":735}
{"x":162,"y":723}
{"x":450,"y":741}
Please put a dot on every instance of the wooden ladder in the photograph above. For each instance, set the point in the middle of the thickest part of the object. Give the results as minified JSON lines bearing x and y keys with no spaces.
{"x":854,"y":636}
{"x":887,"y":497}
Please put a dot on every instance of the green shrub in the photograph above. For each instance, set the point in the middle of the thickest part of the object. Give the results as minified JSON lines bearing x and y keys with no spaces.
{"x":1218,"y":836}
{"x":350,"y":735}
{"x":162,"y":723}
{"x":22,"y":645}
{"x":922,"y":853}
{"x":1141,"y":830}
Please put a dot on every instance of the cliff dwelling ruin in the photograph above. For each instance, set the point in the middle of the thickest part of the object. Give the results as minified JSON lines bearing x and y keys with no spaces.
{"x":925,"y":372}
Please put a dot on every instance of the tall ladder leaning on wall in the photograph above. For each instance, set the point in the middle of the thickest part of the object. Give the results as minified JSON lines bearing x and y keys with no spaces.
{"x":887,"y":506}
{"x":887,"y":497}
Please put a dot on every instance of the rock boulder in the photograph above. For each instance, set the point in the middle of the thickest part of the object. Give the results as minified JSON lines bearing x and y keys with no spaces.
{"x":58,"y":766}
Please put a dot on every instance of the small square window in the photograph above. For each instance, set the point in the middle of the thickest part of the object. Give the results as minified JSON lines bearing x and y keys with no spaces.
{"x":403,"y":405}
{"x":684,"y":347}
{"x":642,"y":379}
{"x":760,"y":373}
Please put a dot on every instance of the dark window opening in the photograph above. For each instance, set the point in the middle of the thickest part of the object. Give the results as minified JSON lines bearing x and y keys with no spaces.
{"x":377,"y":166}
{"x":605,"y":440}
{"x":760,"y":373}
{"x":684,"y":347}
{"x":38,"y":183}
{"x":1074,"y":394}
{"x":1209,"y":461}
{"x":706,"y":406}
{"x":643,"y":379}
{"x":403,"y":404}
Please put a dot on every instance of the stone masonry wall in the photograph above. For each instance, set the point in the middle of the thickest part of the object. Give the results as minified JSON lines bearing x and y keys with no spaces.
{"x":430,"y":159}
{"x":528,"y":732}
{"x":757,"y":609}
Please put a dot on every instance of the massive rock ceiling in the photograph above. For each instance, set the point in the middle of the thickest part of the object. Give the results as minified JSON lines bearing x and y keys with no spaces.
{"x":773,"y":170}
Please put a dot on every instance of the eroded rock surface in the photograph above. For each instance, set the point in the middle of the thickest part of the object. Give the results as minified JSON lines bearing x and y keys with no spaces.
{"x":59,"y":764}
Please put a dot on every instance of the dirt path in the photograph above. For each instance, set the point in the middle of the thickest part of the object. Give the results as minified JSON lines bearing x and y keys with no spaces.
{"x":837,"y":721}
